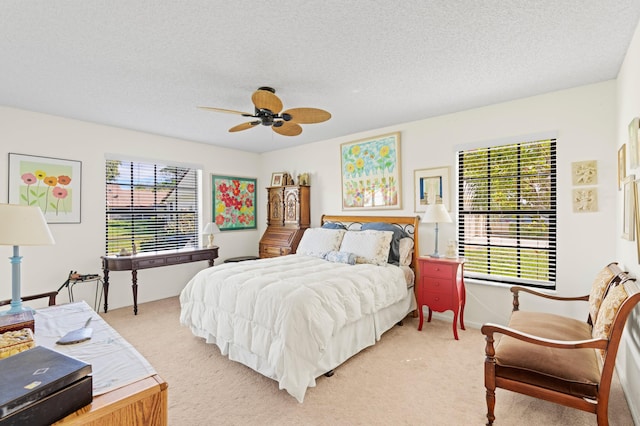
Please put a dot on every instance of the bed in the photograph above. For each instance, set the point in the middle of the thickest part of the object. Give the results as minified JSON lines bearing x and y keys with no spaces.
{"x":294,"y":318}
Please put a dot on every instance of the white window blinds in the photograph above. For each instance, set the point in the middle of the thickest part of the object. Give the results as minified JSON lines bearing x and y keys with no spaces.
{"x":150,"y":206}
{"x":507,"y":212}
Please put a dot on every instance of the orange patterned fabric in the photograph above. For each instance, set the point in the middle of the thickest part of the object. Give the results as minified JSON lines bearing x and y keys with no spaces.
{"x":598,"y":288}
{"x":608,"y":310}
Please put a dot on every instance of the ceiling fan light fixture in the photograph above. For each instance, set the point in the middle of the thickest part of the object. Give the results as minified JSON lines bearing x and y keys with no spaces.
{"x":268,"y":112}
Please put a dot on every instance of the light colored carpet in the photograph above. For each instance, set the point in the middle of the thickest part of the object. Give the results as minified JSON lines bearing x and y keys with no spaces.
{"x":408,"y":378}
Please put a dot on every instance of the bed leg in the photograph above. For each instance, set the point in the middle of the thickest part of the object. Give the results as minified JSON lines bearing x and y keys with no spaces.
{"x":400,"y":323}
{"x":329,"y":373}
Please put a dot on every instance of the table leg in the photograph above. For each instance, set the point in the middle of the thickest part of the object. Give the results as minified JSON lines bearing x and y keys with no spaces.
{"x":463,"y":301}
{"x":455,"y":324}
{"x":105,"y":289}
{"x":134,"y":288}
{"x":421,"y":314}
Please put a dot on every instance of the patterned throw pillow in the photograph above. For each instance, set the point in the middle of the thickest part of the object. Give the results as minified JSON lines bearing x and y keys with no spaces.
{"x":608,"y":310}
{"x":368,"y":246}
{"x":319,"y":241}
{"x":406,"y":251}
{"x":341,"y":257}
{"x":598,"y":288}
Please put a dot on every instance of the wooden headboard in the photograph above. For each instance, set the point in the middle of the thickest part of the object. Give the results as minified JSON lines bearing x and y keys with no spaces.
{"x":407,"y":223}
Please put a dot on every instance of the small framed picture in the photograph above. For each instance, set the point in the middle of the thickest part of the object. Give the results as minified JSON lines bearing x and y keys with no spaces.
{"x":277,"y":179}
{"x":431,"y":186}
{"x":628,"y":219}
{"x":622,"y":165}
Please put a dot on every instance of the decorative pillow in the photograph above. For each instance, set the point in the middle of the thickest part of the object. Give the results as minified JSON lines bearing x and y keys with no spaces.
{"x":406,"y":251}
{"x":608,"y":310}
{"x":334,"y":225}
{"x":398,"y":234}
{"x":318,"y":241}
{"x":598,"y":288}
{"x":369,"y":246}
{"x":341,"y":257}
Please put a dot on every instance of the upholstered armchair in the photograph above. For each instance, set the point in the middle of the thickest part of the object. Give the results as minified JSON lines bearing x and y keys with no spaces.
{"x":560,"y":359}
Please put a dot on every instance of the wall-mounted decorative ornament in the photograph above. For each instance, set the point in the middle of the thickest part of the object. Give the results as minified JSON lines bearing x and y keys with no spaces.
{"x":585,"y":200}
{"x":584,"y":172}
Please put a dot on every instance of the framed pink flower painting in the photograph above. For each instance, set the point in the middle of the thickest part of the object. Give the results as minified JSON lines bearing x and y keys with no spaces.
{"x":233,"y":202}
{"x":53,"y":184}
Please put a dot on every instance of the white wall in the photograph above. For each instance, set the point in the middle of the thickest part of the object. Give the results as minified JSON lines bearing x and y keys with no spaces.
{"x":79,"y":246}
{"x":584,"y":120}
{"x":628,"y":89}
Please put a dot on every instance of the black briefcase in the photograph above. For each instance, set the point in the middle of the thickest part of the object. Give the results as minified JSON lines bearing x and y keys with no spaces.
{"x":40,"y":386}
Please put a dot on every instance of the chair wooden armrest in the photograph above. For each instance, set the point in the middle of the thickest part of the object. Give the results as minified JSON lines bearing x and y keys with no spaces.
{"x":517,"y":289}
{"x":50,"y":294}
{"x":489,"y":330}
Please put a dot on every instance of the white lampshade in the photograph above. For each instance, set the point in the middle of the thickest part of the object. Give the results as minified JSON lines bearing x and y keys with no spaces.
{"x":210,"y":228}
{"x":436,"y":213}
{"x":23,"y":226}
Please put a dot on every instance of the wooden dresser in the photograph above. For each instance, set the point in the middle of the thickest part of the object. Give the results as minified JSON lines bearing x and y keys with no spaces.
{"x":288,"y":216}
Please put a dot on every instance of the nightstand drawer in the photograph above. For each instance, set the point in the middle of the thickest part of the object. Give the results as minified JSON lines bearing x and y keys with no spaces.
{"x":437,"y":284}
{"x":433,"y":269}
{"x":438,"y":301}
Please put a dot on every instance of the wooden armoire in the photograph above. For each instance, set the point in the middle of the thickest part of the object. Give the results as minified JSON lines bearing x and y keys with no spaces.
{"x":288,"y":216}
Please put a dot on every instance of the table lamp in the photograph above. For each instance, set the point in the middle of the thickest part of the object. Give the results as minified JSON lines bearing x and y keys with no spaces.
{"x":210,"y":229}
{"x":21,"y":226}
{"x":436,"y":213}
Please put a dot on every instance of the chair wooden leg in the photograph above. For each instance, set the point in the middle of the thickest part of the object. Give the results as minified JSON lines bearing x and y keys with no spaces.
{"x":491,"y":403}
{"x":490,"y":378}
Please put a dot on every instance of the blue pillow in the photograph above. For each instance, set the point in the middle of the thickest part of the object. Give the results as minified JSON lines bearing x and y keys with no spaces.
{"x":333,"y":225}
{"x":398,"y":234}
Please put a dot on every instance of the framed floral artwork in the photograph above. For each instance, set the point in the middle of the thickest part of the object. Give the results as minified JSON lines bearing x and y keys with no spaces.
{"x":233,"y":202}
{"x":53,"y":184}
{"x":371,"y":173}
{"x":431,"y":186}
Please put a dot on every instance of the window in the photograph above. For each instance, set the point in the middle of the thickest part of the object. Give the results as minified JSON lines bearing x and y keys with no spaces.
{"x":151,"y":206}
{"x":507,"y":213}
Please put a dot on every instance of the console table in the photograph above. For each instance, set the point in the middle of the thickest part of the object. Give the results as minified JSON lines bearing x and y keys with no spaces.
{"x":154,"y":259}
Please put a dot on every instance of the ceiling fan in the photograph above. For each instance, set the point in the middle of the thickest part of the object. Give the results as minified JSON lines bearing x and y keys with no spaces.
{"x":268,"y":112}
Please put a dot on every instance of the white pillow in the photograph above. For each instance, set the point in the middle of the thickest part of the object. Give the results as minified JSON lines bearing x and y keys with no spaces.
{"x":369,"y":246}
{"x":406,"y":250}
{"x":319,"y":241}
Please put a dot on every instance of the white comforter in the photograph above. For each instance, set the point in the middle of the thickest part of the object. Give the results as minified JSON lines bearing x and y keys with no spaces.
{"x":285,"y":310}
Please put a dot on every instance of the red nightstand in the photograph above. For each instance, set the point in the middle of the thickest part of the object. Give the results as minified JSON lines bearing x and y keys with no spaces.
{"x":441,"y":288}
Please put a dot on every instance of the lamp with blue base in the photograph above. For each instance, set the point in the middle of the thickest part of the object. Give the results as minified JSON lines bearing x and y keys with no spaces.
{"x":21,"y":226}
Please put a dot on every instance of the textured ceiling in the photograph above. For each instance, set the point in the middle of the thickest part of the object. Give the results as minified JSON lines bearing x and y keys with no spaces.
{"x":146,"y":65}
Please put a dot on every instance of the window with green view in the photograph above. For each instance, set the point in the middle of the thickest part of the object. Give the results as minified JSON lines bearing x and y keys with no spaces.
{"x":151,"y":206}
{"x":507,"y":213}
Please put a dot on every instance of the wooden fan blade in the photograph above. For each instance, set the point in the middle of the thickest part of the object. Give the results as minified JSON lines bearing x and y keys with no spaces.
{"x":228,"y":111}
{"x":288,"y":129}
{"x":244,"y":126}
{"x":308,"y":115}
{"x":263,"y":99}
